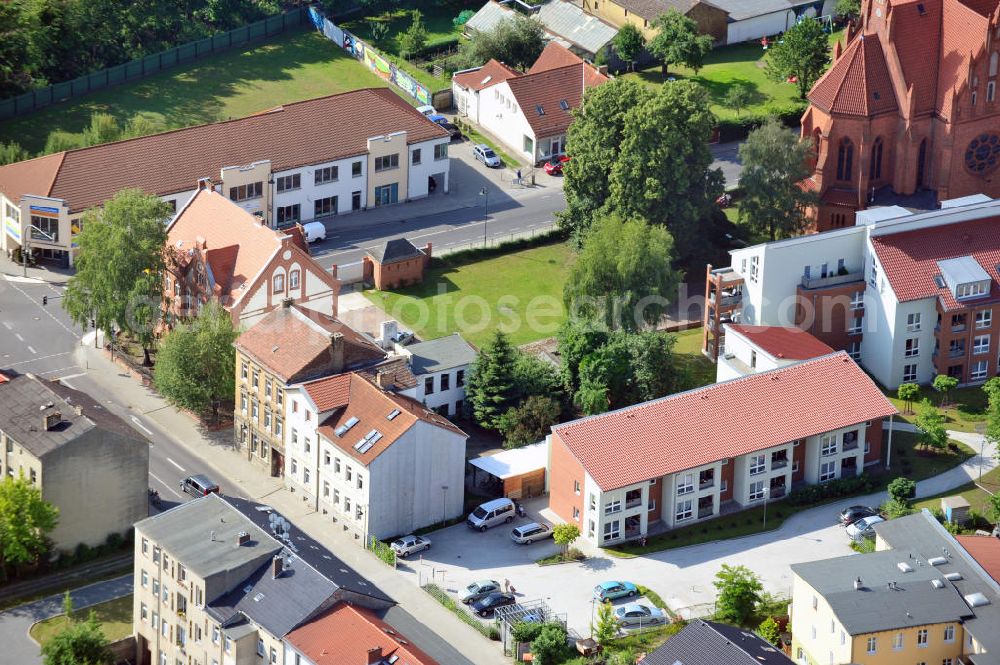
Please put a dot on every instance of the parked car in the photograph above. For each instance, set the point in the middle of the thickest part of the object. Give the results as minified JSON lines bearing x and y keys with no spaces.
{"x":199,"y":485}
{"x":437,"y":118}
{"x":453,"y":131}
{"x":486,"y":606}
{"x":613,"y":589}
{"x":478,"y":590}
{"x":863,"y":528}
{"x":426,"y":109}
{"x":854,"y":513}
{"x":314,"y":231}
{"x":491,"y":513}
{"x":402,"y":337}
{"x":407,"y":545}
{"x":555,"y":165}
{"x":485,"y":154}
{"x":529,"y":533}
{"x":634,"y":614}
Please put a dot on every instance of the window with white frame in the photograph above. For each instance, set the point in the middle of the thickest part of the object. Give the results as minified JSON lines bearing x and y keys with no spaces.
{"x":909,"y":372}
{"x":756,"y":490}
{"x":685,"y":483}
{"x":911,"y":347}
{"x":857,"y":300}
{"x":593,"y":501}
{"x":922,"y":637}
{"x":827,"y":471}
{"x":913,"y":322}
{"x":949,"y":633}
{"x":854,"y":350}
{"x":685,"y":510}
{"x":970,"y":290}
{"x":984,"y":318}
{"x":978,"y":370}
{"x":612,"y":530}
{"x":758,"y":464}
{"x":981,"y":344}
{"x":828,"y":445}
{"x":289,"y":182}
{"x":897,"y":641}
{"x":854,"y":326}
{"x":873,"y":276}
{"x":754,"y":268}
{"x":612,"y":507}
{"x":872,"y":645}
{"x":326,"y":174}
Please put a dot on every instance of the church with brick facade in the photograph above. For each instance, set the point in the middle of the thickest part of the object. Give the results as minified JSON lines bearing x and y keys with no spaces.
{"x":908,"y":113}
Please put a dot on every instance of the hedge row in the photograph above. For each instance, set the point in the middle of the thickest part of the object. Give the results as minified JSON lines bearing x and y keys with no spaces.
{"x":834,"y":489}
{"x":737,"y":129}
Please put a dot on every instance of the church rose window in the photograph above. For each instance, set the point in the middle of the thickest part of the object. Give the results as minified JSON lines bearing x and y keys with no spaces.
{"x":983,"y":154}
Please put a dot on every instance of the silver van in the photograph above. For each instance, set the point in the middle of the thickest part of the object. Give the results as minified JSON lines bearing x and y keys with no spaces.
{"x":199,"y":485}
{"x":491,"y":513}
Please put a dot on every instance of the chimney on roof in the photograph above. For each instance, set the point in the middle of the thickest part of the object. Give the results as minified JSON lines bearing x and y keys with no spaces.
{"x":333,"y":271}
{"x":200,"y":242}
{"x":286,"y":303}
{"x":204,"y":183}
{"x":374,"y":656}
{"x":277,"y":566}
{"x":384,"y":379}
{"x":78,"y":409}
{"x":387,"y":330}
{"x":242,"y":538}
{"x":857,"y":584}
{"x":50,"y":420}
{"x":337,"y":351}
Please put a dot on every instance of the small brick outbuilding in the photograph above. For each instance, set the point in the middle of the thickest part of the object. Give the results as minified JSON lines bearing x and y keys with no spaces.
{"x":396,"y":263}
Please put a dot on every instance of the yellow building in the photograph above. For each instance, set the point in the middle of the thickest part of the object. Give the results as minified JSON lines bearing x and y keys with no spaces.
{"x":921,"y":600}
{"x":711,"y":20}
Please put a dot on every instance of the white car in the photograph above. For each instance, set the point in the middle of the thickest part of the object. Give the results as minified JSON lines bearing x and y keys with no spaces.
{"x":485,"y":154}
{"x":635,"y":614}
{"x":407,"y":545}
{"x":426,"y":109}
{"x":478,"y":590}
{"x":863,"y":528}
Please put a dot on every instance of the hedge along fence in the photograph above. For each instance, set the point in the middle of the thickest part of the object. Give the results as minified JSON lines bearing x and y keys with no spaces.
{"x":737,"y":129}
{"x":150,"y":64}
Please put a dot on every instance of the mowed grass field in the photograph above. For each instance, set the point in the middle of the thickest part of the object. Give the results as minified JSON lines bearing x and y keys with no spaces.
{"x":291,"y":67}
{"x":115,"y":617}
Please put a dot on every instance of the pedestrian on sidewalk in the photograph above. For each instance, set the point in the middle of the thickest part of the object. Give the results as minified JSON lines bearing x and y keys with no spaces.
{"x":506,"y":584}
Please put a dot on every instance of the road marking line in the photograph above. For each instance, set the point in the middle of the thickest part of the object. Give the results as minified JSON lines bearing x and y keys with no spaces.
{"x":169,"y":488}
{"x":7,"y":326}
{"x":32,"y":349}
{"x":54,"y":355}
{"x":61,"y":369}
{"x":18,"y":336}
{"x":63,"y":379}
{"x":177,"y":465}
{"x":140,"y":425}
{"x":70,"y":331}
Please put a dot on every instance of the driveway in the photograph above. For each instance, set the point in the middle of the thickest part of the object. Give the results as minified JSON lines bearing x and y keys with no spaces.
{"x":18,"y":647}
{"x":682,"y":577}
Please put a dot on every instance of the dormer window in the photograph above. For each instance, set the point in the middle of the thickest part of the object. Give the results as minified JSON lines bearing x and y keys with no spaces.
{"x":965,"y":277}
{"x":971,"y":290}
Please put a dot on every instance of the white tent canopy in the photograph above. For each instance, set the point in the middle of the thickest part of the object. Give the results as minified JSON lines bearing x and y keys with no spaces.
{"x":517,"y":462}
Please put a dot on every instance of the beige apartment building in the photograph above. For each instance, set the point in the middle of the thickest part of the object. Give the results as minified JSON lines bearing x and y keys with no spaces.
{"x":222,"y":581}
{"x":87,"y":462}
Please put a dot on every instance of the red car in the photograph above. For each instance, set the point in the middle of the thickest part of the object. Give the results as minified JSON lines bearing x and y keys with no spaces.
{"x":555,"y":165}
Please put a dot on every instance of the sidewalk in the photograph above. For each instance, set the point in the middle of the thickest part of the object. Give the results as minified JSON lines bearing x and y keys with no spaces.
{"x":50,"y":273}
{"x":18,"y":647}
{"x":232,"y":468}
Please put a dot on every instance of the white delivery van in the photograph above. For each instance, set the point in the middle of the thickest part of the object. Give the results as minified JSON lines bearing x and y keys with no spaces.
{"x":314,"y":231}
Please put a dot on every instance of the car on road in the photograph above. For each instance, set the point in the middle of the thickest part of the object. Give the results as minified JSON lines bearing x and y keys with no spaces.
{"x":199,"y":485}
{"x":407,"y":545}
{"x":486,"y":606}
{"x":531,"y":532}
{"x":634,"y":614}
{"x":614,"y":589}
{"x":426,"y":109}
{"x":485,"y":154}
{"x":555,"y":165}
{"x":478,"y":590}
{"x":863,"y":528}
{"x":852,"y":514}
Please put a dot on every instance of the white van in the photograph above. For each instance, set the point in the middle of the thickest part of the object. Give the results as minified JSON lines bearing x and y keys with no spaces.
{"x":314,"y":231}
{"x":491,"y":513}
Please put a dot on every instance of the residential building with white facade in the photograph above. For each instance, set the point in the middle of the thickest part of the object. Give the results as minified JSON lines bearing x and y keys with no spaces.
{"x":440,"y":367}
{"x":751,"y":349}
{"x":309,"y":160}
{"x":375,"y":462}
{"x":701,"y":453}
{"x":909,"y":295}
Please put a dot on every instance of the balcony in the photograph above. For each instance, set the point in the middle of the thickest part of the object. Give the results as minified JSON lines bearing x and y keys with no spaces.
{"x":831,"y":280}
{"x":777,"y":493}
{"x":852,"y":445}
{"x":705,"y":512}
{"x":779,"y":463}
{"x":706,"y":484}
{"x":958,"y":328}
{"x":956,"y":352}
{"x":633,"y":503}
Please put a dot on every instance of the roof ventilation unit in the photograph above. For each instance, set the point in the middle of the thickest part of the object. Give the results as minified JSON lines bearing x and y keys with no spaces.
{"x":937,"y":561}
{"x":953,"y":577}
{"x":937,"y":584}
{"x":977,"y":599}
{"x":904,"y":567}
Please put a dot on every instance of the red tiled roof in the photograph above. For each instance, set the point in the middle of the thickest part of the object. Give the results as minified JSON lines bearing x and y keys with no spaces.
{"x":858,"y":83}
{"x":918,"y":49}
{"x":781,"y":342}
{"x":293,"y":135}
{"x":547,"y":89}
{"x":295,"y":343}
{"x":985,"y":550}
{"x":346,"y":634}
{"x":723,"y":420}
{"x":491,"y":73}
{"x":909,"y":260}
{"x":332,"y":392}
{"x":841,"y":197}
{"x":553,"y":56}
{"x":962,"y":37}
{"x":32,"y":176}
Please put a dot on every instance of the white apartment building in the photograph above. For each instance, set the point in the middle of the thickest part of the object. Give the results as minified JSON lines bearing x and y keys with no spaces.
{"x":377,"y":463}
{"x":751,"y":349}
{"x":440,"y":367}
{"x":307,"y":160}
{"x":909,"y":295}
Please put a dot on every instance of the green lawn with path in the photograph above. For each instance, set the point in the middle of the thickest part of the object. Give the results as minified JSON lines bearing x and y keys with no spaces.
{"x":976,"y":492}
{"x":114,"y":616}
{"x":291,"y":67}
{"x":965,"y":409}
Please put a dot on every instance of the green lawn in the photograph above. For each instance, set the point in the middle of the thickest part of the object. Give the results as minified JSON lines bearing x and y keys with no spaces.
{"x":975,"y":494}
{"x":115,"y":617}
{"x":688,"y":348}
{"x":519,"y":292}
{"x":966,"y":407}
{"x":292,"y":67}
{"x":739,"y":64}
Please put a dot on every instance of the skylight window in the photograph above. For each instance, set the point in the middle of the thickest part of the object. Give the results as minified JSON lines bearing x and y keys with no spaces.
{"x":539,"y":109}
{"x":563,"y":104}
{"x":342,"y":430}
{"x":369,"y":440}
{"x":921,"y":9}
{"x":392,"y":414}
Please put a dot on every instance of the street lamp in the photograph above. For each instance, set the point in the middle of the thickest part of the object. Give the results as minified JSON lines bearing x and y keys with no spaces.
{"x":981,"y":431}
{"x":444,"y":504}
{"x":486,"y":210}
{"x":767,"y":490}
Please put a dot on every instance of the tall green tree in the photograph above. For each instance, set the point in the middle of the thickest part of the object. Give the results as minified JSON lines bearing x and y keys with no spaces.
{"x":630,"y":368}
{"x":578,"y":338}
{"x":774,"y":163}
{"x":196,"y":363}
{"x":908,"y":392}
{"x":605,"y":628}
{"x":663,"y":169}
{"x":12,"y":152}
{"x":848,"y":8}
{"x":992,"y":433}
{"x":529,"y":422}
{"x":119,"y":266}
{"x":930,"y":426}
{"x":803,"y":53}
{"x":944,"y":384}
{"x":517,"y":42}
{"x":25,"y":522}
{"x":80,"y":643}
{"x":739,"y":593}
{"x":738,"y":97}
{"x":628,"y":43}
{"x":623,"y":275}
{"x":103,"y":128}
{"x":415,"y":37}
{"x":678,"y":41}
{"x":769,"y":630}
{"x":490,"y":389}
{"x":902,"y":490}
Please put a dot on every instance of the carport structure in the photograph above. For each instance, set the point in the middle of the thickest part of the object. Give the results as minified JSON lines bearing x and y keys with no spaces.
{"x":520,"y":472}
{"x":532,"y":611}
